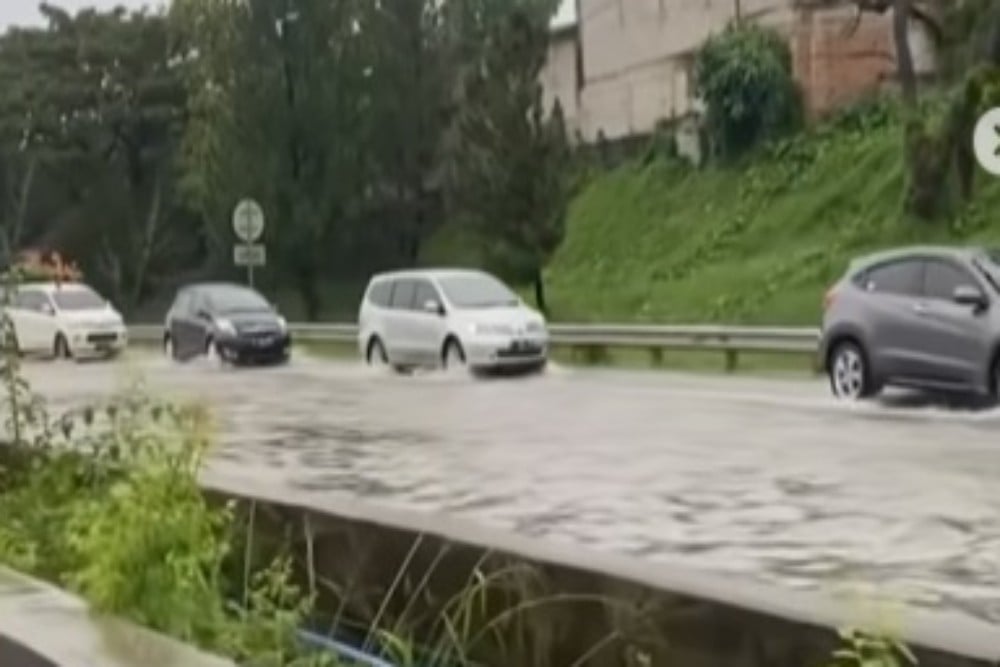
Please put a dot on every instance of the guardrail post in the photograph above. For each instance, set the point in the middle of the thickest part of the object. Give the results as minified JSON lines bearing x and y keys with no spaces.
{"x":732,"y":360}
{"x":596,"y":354}
{"x":656,"y":355}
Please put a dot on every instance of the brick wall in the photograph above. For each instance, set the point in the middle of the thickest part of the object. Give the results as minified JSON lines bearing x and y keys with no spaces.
{"x":636,"y":58}
{"x":839,"y":59}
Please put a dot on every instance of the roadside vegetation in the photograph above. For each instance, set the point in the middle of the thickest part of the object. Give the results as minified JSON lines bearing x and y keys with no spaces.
{"x":758,"y":233}
{"x":758,"y":241}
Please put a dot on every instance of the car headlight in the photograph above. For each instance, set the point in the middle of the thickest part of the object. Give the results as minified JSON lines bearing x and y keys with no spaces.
{"x":225,"y":327}
{"x":536,"y":327}
{"x":483,"y":329}
{"x":282,"y":323}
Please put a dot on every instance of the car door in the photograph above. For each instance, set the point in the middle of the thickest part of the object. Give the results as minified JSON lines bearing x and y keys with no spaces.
{"x":187,"y":329}
{"x":401,"y":345}
{"x":956,"y":337}
{"x":893,"y":316}
{"x":428,"y":322}
{"x":34,"y":320}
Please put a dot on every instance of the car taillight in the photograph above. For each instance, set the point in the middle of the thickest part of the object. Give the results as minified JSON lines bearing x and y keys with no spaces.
{"x":829,"y":297}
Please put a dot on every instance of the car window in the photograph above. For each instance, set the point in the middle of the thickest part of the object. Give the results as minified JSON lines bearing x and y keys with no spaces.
{"x":425,"y":292}
{"x":402,"y":294}
{"x":380,"y":293}
{"x":227,"y":299}
{"x":942,"y":277}
{"x":78,"y":298}
{"x":897,"y":277}
{"x":477,"y":291}
{"x":31,"y":300}
{"x":182,"y":303}
{"x":199,"y":302}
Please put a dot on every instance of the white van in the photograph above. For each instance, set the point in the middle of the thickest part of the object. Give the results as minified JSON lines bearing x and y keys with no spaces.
{"x":448,"y":318}
{"x":65,"y":320}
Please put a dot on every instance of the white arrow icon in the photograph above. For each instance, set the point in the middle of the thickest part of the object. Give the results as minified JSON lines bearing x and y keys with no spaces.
{"x":986,"y":141}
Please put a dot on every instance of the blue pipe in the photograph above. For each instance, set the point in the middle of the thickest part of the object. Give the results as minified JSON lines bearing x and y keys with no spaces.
{"x":338,"y":648}
{"x":342,"y":650}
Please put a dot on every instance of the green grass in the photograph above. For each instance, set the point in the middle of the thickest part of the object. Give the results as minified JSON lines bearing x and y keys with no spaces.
{"x":758,"y":244}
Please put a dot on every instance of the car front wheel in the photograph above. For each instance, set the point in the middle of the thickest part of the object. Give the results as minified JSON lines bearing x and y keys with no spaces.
{"x":453,"y":356}
{"x":850,"y":376}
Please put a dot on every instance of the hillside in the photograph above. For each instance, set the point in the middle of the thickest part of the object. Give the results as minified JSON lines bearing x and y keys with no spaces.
{"x":754,"y":244}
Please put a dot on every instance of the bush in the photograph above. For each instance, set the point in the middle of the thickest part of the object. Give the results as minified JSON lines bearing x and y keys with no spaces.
{"x":744,"y":75}
{"x":106,"y":502}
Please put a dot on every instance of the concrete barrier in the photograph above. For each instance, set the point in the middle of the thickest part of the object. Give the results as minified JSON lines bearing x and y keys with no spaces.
{"x":693,"y":618}
{"x":43,"y":626}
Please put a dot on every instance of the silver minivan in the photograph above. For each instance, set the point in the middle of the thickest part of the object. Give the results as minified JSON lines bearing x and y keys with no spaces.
{"x":450,"y":318}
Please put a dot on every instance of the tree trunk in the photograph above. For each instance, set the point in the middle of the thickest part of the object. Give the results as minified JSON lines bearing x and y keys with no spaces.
{"x":147,"y":244}
{"x":993,"y":48}
{"x":308,"y":291}
{"x":540,"y":301}
{"x":904,"y":55}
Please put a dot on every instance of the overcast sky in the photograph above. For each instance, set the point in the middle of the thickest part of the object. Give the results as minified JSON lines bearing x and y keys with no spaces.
{"x":25,"y":12}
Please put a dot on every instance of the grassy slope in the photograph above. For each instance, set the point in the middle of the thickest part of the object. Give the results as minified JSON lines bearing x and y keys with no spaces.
{"x":757,"y":244}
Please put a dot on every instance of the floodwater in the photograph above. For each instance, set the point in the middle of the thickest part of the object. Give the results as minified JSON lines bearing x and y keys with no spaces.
{"x":767,"y":480}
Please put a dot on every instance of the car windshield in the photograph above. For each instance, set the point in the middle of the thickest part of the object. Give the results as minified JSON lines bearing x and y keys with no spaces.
{"x":237,"y":299}
{"x":989,"y":266}
{"x":77,"y":298}
{"x":477,"y":291}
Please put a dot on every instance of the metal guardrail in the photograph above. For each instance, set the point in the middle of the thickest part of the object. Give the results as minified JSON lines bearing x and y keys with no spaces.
{"x":595,"y":341}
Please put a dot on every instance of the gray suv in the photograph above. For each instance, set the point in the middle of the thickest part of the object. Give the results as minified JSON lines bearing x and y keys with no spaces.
{"x":925,"y":317}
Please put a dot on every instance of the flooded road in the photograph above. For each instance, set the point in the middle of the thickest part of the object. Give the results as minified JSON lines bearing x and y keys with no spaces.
{"x":762,"y":479}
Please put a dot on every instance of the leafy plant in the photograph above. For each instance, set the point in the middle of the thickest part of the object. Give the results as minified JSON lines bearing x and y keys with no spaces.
{"x":744,"y":75}
{"x":864,"y":649}
{"x":108,"y":503}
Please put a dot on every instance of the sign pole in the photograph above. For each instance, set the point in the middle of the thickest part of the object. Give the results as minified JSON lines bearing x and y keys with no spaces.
{"x":248,"y":224}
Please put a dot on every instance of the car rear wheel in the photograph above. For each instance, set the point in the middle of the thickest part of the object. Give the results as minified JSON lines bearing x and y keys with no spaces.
{"x":850,"y":376}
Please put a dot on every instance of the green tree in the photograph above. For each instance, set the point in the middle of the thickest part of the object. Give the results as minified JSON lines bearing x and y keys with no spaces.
{"x":411,"y":85}
{"x":509,"y":171}
{"x":93,"y":105}
{"x":280,"y":94}
{"x":744,"y":75}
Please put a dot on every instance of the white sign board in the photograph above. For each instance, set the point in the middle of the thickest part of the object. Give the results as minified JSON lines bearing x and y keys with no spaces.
{"x":249,"y":254}
{"x":248,"y":220}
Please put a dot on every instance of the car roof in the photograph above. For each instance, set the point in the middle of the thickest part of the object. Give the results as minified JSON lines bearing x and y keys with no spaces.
{"x":902,"y":252}
{"x":432,"y":273}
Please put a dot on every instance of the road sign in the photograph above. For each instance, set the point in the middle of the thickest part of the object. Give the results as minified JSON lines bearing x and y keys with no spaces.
{"x":248,"y":220}
{"x":986,"y":141}
{"x":249,"y":254}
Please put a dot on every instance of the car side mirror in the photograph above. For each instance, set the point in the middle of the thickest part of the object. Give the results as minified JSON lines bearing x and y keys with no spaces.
{"x":47,"y":309}
{"x":203,"y":314}
{"x":968,"y":295}
{"x":434,"y":307}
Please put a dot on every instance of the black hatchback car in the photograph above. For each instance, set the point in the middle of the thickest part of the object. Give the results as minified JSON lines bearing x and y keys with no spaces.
{"x":225,"y":322}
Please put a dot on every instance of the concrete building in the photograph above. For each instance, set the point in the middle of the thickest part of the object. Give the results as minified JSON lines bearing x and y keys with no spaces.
{"x":621,"y":67}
